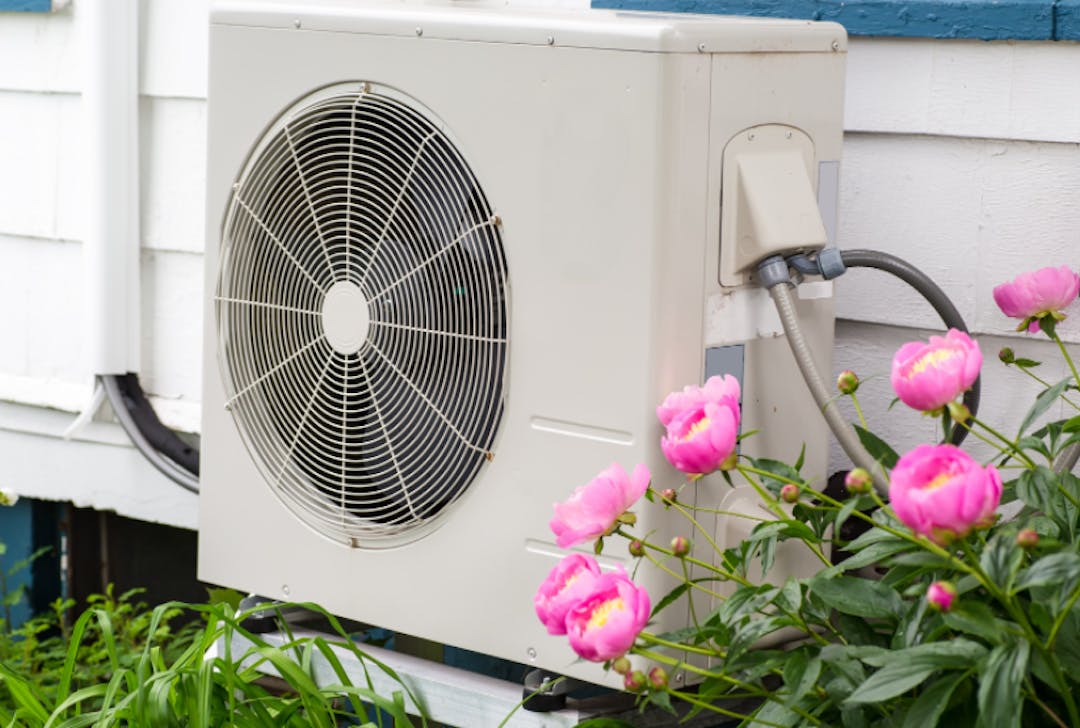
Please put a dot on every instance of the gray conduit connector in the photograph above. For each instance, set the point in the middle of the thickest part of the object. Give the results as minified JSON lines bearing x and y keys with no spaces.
{"x":167,"y":467}
{"x":780,"y":290}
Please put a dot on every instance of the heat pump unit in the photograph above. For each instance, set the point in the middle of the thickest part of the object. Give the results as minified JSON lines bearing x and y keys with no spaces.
{"x":455,"y":258}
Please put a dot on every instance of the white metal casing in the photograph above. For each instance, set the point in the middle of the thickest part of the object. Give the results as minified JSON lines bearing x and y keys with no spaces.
{"x":598,"y":138}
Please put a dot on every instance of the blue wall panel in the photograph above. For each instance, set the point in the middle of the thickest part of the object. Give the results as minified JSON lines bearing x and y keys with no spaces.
{"x":981,"y":19}
{"x":27,"y":6}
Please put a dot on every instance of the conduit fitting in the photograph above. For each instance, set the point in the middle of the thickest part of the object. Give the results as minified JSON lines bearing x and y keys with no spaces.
{"x":827,"y":263}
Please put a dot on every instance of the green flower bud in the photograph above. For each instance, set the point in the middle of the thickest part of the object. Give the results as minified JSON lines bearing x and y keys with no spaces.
{"x":658,"y":678}
{"x":637,"y":548}
{"x":858,"y":481}
{"x":847,"y":382}
{"x":635,"y":681}
{"x":789,"y":493}
{"x":680,"y":546}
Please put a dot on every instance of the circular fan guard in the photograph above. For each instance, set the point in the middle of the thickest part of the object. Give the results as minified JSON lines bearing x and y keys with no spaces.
{"x":361,"y":309}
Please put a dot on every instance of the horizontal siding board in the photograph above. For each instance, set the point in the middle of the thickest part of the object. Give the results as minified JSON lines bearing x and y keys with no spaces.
{"x":981,"y":19}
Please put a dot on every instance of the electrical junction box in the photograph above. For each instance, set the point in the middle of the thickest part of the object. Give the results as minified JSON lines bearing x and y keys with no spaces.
{"x":455,"y":258}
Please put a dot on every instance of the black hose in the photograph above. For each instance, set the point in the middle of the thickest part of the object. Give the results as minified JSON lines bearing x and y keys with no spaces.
{"x":173,"y":457}
{"x":934,"y":296}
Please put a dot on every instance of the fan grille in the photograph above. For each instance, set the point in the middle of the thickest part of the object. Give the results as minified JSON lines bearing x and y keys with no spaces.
{"x":361,"y":310}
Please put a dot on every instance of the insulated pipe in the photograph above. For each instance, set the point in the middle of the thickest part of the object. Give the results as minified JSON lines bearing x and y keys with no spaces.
{"x":115,"y":392}
{"x":849,"y":441}
{"x":110,"y":101}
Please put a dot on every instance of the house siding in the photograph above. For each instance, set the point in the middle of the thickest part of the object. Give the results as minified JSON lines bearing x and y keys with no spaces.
{"x":963,"y":157}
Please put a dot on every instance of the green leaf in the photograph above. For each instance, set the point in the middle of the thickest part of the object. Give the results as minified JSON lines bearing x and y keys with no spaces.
{"x":1042,"y":403}
{"x":1051,"y":569}
{"x":878,"y":448}
{"x":1026,"y":363}
{"x":931,"y":703}
{"x":902,"y":670}
{"x":801,"y":683}
{"x":976,"y":618}
{"x":860,"y":597}
{"x":1000,"y":683}
{"x":1001,"y":559}
{"x":777,"y":714}
{"x":1071,"y":425}
{"x":870,"y":555}
{"x":670,"y":597}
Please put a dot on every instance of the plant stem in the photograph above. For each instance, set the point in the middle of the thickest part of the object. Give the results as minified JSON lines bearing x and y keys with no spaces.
{"x":708,"y":537}
{"x":727,"y":575}
{"x":1061,"y":618}
{"x":656,"y":639}
{"x":858,"y":411}
{"x":1008,"y":443}
{"x":774,"y":506}
{"x":1068,"y":359}
{"x":1035,"y":699}
{"x":694,"y":700}
{"x":671,"y":572}
{"x":680,"y":664}
{"x":1047,"y":384}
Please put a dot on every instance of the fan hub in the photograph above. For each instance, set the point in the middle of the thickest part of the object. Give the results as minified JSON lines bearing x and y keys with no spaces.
{"x":345,"y":317}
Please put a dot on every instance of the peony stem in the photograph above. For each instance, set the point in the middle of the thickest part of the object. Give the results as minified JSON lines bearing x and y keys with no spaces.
{"x":1061,"y":618}
{"x":671,"y":572}
{"x":774,"y":506}
{"x":1008,"y":443}
{"x":693,"y":700}
{"x":858,"y":411}
{"x":1046,"y":384}
{"x":754,"y":690}
{"x":708,"y":537}
{"x":1068,"y":359}
{"x":657,"y":640}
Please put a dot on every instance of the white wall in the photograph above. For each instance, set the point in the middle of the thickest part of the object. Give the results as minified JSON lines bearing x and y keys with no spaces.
{"x":961,"y":156}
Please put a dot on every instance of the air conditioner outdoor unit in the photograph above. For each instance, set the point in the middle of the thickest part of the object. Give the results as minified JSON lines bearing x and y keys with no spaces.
{"x":455,"y":258}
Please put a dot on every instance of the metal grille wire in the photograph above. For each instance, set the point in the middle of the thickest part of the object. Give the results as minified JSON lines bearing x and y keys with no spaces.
{"x":360,"y":185}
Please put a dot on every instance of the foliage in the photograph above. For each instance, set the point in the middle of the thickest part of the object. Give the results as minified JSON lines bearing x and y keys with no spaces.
{"x":119,"y":664}
{"x":997,"y":643}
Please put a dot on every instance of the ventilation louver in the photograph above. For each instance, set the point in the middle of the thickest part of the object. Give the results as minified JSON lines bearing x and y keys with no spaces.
{"x":361,"y":311}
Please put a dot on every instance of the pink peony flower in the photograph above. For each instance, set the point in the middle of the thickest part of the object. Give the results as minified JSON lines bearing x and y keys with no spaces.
{"x":939,"y":491}
{"x":941,"y":595}
{"x":595,"y":507}
{"x":569,"y":582}
{"x":702,"y":424}
{"x":605,"y":623}
{"x":927,"y":376}
{"x":1030,"y":296}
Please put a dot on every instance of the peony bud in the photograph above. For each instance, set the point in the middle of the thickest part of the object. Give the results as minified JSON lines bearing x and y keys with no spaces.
{"x":658,"y":678}
{"x":637,"y":548}
{"x":669,"y":495}
{"x":847,"y":382}
{"x":1006,"y":355}
{"x":8,"y":497}
{"x":635,"y":681}
{"x":858,"y":481}
{"x":680,"y":546}
{"x":1027,"y":539}
{"x":789,"y":493}
{"x":941,"y":595}
{"x":622,"y":665}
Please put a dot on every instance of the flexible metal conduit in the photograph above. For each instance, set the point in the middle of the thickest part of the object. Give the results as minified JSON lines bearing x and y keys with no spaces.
{"x":789,"y":318}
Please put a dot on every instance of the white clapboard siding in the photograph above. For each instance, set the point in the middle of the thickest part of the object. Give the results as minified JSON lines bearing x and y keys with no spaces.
{"x":961,"y":156}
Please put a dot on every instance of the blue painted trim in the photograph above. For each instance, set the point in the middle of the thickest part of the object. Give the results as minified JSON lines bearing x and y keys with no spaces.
{"x":26,"y":6}
{"x":981,"y":19}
